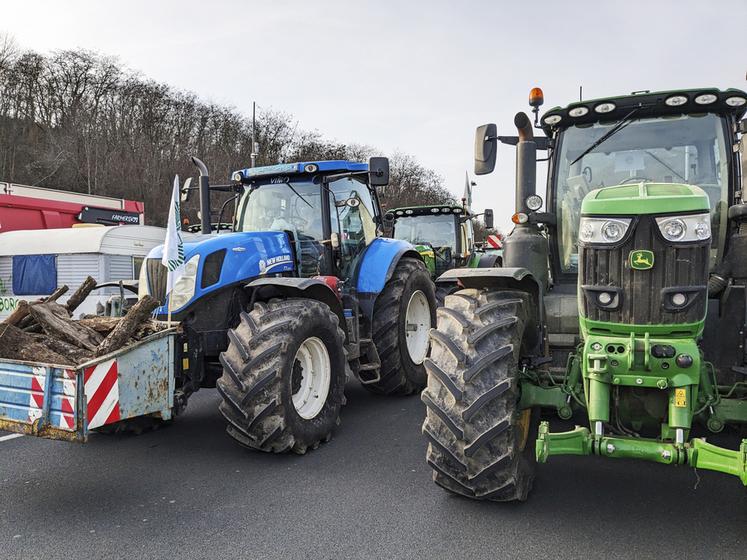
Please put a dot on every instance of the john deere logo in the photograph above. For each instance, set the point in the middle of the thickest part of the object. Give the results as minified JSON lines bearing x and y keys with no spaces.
{"x":641,"y":259}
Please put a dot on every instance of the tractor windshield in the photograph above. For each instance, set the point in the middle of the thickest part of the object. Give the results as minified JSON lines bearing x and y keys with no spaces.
{"x":681,"y":149}
{"x":438,"y":230}
{"x":288,"y":206}
{"x":292,"y":207}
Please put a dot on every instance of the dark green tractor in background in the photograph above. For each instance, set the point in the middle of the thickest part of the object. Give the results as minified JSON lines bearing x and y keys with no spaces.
{"x":444,"y":235}
{"x":622,"y":304}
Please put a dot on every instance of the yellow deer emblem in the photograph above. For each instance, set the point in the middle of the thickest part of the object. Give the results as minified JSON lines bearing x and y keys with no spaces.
{"x":641,"y":259}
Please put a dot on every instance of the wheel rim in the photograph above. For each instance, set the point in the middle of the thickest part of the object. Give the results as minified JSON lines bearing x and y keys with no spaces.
{"x":522,"y":425}
{"x":312,"y":365}
{"x":417,"y":323}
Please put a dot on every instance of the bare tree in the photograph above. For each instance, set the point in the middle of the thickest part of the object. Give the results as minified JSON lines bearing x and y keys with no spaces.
{"x":80,"y":121}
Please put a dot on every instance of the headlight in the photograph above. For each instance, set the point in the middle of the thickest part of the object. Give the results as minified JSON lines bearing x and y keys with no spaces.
{"x":142,"y":282}
{"x":533,"y":202}
{"x":184,"y":288}
{"x":695,"y":227}
{"x":603,"y":230}
{"x":578,"y":111}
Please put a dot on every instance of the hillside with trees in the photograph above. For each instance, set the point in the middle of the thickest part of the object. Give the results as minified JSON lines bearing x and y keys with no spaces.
{"x":81,"y":121}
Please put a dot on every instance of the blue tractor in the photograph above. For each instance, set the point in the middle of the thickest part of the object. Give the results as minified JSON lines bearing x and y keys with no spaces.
{"x":303,"y":293}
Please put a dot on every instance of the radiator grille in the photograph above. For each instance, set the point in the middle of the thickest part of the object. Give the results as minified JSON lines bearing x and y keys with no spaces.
{"x":642,"y":301}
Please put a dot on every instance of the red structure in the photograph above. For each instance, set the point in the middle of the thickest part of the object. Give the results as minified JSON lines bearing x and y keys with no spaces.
{"x":25,"y":207}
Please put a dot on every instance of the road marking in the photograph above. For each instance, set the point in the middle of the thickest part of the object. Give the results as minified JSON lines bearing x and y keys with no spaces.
{"x":11,"y":436}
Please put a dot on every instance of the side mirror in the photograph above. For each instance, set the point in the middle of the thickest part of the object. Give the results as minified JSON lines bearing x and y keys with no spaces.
{"x":388,"y":224}
{"x":488,"y":218}
{"x":738,"y":212}
{"x":185,"y":189}
{"x":378,"y":171}
{"x":485,"y":148}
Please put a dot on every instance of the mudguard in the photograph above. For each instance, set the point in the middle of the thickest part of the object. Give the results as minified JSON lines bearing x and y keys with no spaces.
{"x":311,"y":288}
{"x":507,"y":278}
{"x":376,"y":268}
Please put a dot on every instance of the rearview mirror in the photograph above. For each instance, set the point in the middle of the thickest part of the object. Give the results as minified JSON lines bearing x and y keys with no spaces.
{"x":388,"y":224}
{"x":485,"y":148}
{"x":488,"y":218}
{"x":185,"y":189}
{"x":378,"y":171}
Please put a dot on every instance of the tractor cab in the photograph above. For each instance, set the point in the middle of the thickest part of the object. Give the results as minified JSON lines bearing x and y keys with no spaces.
{"x":443,"y":234}
{"x":328,"y":208}
{"x":675,"y":137}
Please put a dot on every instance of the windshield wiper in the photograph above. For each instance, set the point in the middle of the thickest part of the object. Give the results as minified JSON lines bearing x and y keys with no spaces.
{"x":655,"y":158}
{"x":626,"y":120}
{"x":297,"y":193}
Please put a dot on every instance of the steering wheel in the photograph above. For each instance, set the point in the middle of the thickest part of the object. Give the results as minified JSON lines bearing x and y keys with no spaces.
{"x":635,"y":180}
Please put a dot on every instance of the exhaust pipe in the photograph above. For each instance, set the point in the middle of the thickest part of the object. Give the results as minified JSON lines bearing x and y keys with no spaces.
{"x":526,"y":161}
{"x":204,"y":185}
{"x":526,"y":247}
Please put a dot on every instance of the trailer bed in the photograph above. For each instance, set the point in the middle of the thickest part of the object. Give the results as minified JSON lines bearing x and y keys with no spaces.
{"x":66,"y":402}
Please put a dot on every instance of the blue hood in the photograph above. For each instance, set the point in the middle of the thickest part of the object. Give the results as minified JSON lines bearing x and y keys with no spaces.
{"x":247,"y":255}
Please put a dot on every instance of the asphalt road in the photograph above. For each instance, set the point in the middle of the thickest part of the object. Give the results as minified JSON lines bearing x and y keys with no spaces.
{"x":187,"y":491}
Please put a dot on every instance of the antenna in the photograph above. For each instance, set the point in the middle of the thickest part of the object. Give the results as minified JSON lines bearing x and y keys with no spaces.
{"x":255,"y":145}
{"x":580,"y":93}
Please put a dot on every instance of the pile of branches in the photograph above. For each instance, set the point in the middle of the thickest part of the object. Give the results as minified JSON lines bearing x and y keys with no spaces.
{"x":44,"y":330}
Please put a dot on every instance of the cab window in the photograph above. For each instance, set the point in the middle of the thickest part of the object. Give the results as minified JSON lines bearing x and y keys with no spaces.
{"x":352,"y":217}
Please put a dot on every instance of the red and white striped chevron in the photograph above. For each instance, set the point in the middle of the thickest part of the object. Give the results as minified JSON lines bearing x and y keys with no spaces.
{"x":67,"y":400}
{"x":102,"y":394}
{"x":494,"y":242}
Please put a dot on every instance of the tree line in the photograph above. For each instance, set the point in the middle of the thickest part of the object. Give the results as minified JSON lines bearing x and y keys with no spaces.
{"x":80,"y":121}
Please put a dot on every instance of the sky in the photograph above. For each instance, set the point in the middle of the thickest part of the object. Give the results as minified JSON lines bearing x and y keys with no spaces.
{"x":418,"y":77}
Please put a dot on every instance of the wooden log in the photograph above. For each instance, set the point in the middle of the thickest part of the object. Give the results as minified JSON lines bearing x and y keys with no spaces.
{"x":137,"y":314}
{"x":74,"y":354}
{"x":80,"y":294}
{"x":27,"y":320}
{"x":18,"y":313}
{"x":57,"y":294}
{"x":18,"y":345}
{"x":70,"y":331}
{"x":100,"y":324}
{"x":149,"y":327}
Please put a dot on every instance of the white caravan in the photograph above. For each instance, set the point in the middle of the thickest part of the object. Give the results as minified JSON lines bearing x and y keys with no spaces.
{"x":33,"y":263}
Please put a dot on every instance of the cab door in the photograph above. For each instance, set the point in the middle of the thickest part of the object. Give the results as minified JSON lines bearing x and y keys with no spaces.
{"x":352,"y":221}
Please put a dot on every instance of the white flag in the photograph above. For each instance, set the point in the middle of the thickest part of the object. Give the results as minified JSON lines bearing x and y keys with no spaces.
{"x":467,"y":190}
{"x":173,"y":247}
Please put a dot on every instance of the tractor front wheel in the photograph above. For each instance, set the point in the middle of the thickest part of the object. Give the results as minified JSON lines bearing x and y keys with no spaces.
{"x":284,"y":376}
{"x":404,"y":312}
{"x":480,"y":442}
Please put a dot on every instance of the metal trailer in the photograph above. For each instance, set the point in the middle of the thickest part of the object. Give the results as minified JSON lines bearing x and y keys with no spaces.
{"x":64,"y":402}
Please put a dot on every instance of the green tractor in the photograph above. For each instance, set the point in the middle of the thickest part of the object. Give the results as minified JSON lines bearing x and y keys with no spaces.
{"x":623,"y":303}
{"x":444,"y":236}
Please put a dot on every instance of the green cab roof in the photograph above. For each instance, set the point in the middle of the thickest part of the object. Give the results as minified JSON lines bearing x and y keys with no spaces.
{"x":647,"y":104}
{"x":645,"y":198}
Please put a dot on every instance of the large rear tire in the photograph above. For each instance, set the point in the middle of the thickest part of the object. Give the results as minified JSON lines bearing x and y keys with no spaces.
{"x":284,"y":376}
{"x":404,"y":312}
{"x":479,"y":441}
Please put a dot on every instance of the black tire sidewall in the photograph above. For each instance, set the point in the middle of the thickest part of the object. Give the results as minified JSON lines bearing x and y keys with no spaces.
{"x":312,"y":430}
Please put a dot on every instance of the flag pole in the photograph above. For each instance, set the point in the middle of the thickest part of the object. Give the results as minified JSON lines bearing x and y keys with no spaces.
{"x":168,"y":316}
{"x":173,"y":249}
